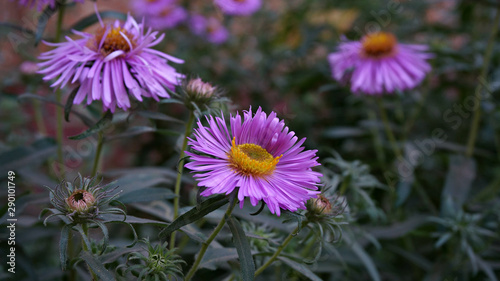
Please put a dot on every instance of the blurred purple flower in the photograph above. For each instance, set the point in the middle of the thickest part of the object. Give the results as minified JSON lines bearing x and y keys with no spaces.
{"x":116,"y":61}
{"x":28,"y":67}
{"x":239,"y":7}
{"x":260,"y":156}
{"x":209,"y":28}
{"x":40,"y":3}
{"x":160,"y":14}
{"x":378,"y":64}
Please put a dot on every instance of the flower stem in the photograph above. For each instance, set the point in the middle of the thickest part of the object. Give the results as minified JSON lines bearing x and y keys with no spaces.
{"x":387,"y":128}
{"x":59,"y":111}
{"x":100,"y":143}
{"x":85,"y":228}
{"x":180,"y":168}
{"x":205,"y":244}
{"x":482,"y":77}
{"x":279,"y":250}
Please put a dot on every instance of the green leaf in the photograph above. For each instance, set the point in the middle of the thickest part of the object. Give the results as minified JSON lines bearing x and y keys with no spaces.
{"x":130,"y":219}
{"x":132,"y":131}
{"x":87,"y":121}
{"x":157,"y":116}
{"x":196,"y":213}
{"x":63,"y":245}
{"x":243,"y":248}
{"x":164,"y":210}
{"x":214,"y":256}
{"x":364,"y":257}
{"x":43,"y":20}
{"x":461,"y":173}
{"x":23,"y":156}
{"x":69,"y":103}
{"x":146,"y":195}
{"x":97,"y":267}
{"x":90,"y":20}
{"x":302,"y":268}
{"x":102,"y":124}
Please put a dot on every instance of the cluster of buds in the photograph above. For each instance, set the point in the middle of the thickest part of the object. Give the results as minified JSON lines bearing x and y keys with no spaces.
{"x":157,"y":264}
{"x":83,"y":200}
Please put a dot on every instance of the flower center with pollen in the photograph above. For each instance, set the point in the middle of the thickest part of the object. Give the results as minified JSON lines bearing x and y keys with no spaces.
{"x":251,"y":159}
{"x":116,"y":39}
{"x":379,"y":44}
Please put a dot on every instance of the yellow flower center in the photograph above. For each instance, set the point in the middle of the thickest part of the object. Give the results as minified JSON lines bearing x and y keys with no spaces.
{"x":114,"y":41}
{"x":378,"y":44}
{"x":251,"y":159}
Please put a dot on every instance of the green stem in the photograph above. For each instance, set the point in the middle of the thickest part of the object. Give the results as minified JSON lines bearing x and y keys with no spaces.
{"x":279,"y":250}
{"x":377,"y":142}
{"x":388,"y":130}
{"x":37,"y":105}
{"x":85,"y":228}
{"x":100,"y":143}
{"x":205,"y":244}
{"x":59,"y":111}
{"x":471,"y":141}
{"x":180,"y":168}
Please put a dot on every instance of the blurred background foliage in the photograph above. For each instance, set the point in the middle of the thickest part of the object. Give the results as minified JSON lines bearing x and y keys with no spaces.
{"x":433,"y":216}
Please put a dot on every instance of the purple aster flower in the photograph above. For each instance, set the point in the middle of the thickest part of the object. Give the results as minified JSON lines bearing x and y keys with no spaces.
{"x":40,"y":3}
{"x":260,"y":156}
{"x":209,"y":28}
{"x":111,"y":64}
{"x":379,"y":64}
{"x":239,"y":7}
{"x":160,"y":14}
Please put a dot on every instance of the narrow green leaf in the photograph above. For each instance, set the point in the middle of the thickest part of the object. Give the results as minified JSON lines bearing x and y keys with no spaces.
{"x":302,"y":268}
{"x":90,"y":20}
{"x":213,"y":256}
{"x":69,"y":103}
{"x":158,"y":116}
{"x":459,"y":179}
{"x":25,"y":156}
{"x":132,"y":131}
{"x":364,"y":257}
{"x":130,"y":219}
{"x":97,"y":266}
{"x":243,"y":248}
{"x":63,"y":245}
{"x":196,"y":213}
{"x":43,"y":20}
{"x":87,"y":121}
{"x":105,"y":234}
{"x":147,"y":195}
{"x":102,"y":124}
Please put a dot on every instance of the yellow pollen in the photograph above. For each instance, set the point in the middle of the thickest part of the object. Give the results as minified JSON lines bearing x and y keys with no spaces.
{"x":251,"y":159}
{"x":114,"y":40}
{"x":378,"y":44}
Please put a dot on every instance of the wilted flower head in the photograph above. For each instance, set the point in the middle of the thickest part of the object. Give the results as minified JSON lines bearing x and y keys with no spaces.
{"x":160,"y":14}
{"x":115,"y":62}
{"x":158,"y":264}
{"x":239,"y":7}
{"x":209,"y":28}
{"x":82,"y":200}
{"x":379,"y":64}
{"x":260,"y":156}
{"x":40,"y":3}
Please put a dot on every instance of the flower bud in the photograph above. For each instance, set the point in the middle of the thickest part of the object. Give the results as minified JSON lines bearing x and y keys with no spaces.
{"x":319,"y":206}
{"x":196,"y":87}
{"x":81,"y":201}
